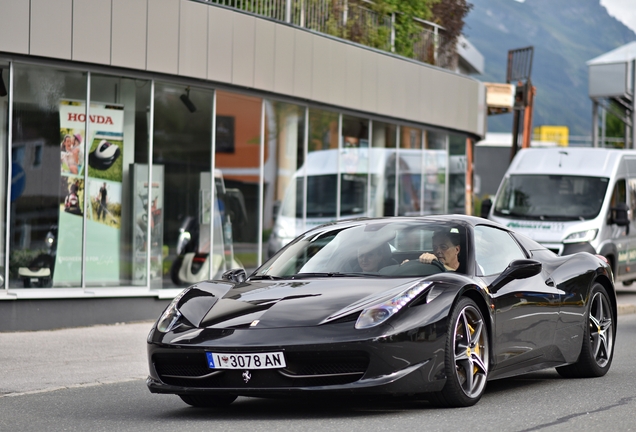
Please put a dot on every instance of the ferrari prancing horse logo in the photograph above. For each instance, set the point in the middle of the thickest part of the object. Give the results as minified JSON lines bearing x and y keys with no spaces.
{"x":246,"y":376}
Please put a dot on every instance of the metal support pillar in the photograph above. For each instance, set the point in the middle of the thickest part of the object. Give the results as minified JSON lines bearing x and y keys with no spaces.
{"x":527,"y":118}
{"x":594,"y":123}
{"x":633,"y":136}
{"x":515,"y":133}
{"x":288,"y":8}
{"x":468,"y":198}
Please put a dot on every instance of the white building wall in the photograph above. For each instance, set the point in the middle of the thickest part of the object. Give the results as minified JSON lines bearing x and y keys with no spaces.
{"x":191,"y":39}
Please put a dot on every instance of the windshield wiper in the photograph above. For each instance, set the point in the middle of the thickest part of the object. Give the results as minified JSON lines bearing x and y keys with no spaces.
{"x":334,"y":274}
{"x":265,"y":276}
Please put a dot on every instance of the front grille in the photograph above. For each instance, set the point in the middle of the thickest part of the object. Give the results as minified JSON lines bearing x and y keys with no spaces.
{"x":311,"y":363}
{"x":304,"y":369}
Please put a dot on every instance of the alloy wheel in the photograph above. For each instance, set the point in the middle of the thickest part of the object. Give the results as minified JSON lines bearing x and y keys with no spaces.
{"x":601,"y":329}
{"x":471,"y":353}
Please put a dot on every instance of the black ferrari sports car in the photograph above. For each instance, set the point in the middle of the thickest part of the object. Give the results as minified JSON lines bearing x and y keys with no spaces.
{"x":432,"y":307}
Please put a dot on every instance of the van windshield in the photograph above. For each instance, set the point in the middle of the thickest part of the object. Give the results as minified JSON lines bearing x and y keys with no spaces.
{"x":321,"y":196}
{"x":551,"y":197}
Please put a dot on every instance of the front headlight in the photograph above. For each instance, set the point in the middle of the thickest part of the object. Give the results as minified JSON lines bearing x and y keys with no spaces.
{"x":379,"y":313}
{"x":581,"y":236}
{"x":280,"y":232}
{"x":171,"y":315}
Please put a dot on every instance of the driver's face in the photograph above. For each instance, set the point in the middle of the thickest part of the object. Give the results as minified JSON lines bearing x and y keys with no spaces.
{"x":369,"y":261}
{"x":445,"y":251}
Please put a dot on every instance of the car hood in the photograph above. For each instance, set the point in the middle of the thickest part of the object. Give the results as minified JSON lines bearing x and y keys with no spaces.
{"x":288,"y":303}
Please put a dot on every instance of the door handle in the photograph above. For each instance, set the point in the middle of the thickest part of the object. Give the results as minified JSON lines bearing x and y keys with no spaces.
{"x":549,"y":282}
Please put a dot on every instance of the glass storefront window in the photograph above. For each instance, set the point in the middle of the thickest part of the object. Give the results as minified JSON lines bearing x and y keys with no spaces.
{"x":237,"y":158}
{"x":354,"y":167}
{"x":410,"y":172}
{"x":4,"y":135}
{"x":457,"y":174}
{"x":48,"y":192}
{"x":180,"y":200}
{"x":435,"y":156}
{"x":382,"y":162}
{"x":284,"y":174}
{"x":322,"y":168}
{"x":318,"y":166}
{"x":116,"y":219}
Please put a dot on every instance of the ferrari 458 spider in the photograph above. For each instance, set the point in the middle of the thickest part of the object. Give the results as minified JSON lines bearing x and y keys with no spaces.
{"x":428,"y":306}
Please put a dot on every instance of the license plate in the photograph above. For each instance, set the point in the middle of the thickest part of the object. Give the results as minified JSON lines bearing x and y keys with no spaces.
{"x":272,"y":360}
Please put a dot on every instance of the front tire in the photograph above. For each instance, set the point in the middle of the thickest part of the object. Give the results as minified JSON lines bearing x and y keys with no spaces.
{"x":597,"y":350}
{"x":466,"y":358}
{"x":215,"y":401}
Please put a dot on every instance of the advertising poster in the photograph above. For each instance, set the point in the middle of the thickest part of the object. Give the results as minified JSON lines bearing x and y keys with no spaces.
{"x":103,"y":192}
{"x":141,"y":197}
{"x":69,"y":246}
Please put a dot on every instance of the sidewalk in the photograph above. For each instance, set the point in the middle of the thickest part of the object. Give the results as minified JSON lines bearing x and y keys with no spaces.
{"x":626,"y":299}
{"x":43,"y":361}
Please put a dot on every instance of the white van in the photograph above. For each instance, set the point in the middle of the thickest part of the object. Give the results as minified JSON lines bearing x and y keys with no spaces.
{"x":573,"y":199}
{"x":367,"y":188}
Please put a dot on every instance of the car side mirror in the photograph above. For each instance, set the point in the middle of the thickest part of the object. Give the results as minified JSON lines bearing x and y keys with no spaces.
{"x":486,"y":205}
{"x":620,"y":214}
{"x":235,"y":275}
{"x":517,"y":269}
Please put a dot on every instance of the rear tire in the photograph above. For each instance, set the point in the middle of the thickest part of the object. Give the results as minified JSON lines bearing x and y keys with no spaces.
{"x":597,"y":350}
{"x":216,"y":401}
{"x":466,"y":358}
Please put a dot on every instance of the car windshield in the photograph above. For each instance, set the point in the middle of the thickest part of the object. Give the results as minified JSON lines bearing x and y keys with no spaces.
{"x":378,"y":248}
{"x":551,"y":197}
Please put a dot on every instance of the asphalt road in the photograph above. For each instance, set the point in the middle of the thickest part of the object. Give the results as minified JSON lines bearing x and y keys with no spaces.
{"x":83,"y":396}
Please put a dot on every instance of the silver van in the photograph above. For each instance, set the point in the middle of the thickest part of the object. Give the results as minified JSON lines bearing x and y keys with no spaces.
{"x":573,"y":199}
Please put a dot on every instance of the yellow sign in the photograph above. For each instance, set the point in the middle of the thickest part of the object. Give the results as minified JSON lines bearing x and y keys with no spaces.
{"x":557,"y":134}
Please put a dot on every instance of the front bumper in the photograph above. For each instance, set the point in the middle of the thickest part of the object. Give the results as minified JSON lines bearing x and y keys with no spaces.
{"x":410,"y":362}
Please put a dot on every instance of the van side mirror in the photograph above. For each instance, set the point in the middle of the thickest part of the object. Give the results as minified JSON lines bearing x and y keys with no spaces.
{"x":620,"y":214}
{"x":235,"y":275}
{"x":486,"y":205}
{"x":518,"y":269}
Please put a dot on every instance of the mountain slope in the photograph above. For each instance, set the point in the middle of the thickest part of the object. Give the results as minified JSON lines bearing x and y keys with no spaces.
{"x":565,"y":34}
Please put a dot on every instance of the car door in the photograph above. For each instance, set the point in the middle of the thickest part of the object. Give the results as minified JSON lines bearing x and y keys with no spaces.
{"x":526,"y":311}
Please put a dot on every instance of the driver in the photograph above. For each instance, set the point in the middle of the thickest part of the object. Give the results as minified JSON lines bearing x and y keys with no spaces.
{"x":445,"y":250}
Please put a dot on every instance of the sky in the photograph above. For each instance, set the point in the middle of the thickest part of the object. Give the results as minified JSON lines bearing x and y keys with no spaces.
{"x":622,"y":10}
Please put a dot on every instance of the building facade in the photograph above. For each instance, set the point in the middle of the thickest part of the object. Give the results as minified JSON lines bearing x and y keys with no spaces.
{"x":254,"y":131}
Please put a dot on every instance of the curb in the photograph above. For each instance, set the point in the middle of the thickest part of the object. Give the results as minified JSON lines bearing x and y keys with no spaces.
{"x":626,"y":309}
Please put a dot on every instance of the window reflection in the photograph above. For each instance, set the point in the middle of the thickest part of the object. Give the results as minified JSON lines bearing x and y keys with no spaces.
{"x":410,"y":169}
{"x":382,"y":162}
{"x":434,"y":169}
{"x":4,"y":131}
{"x":238,"y":140}
{"x":284,"y":177}
{"x":48,"y":195}
{"x":354,"y":167}
{"x":322,"y":168}
{"x":457,"y":174}
{"x":182,"y":151}
{"x":117,"y":218}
